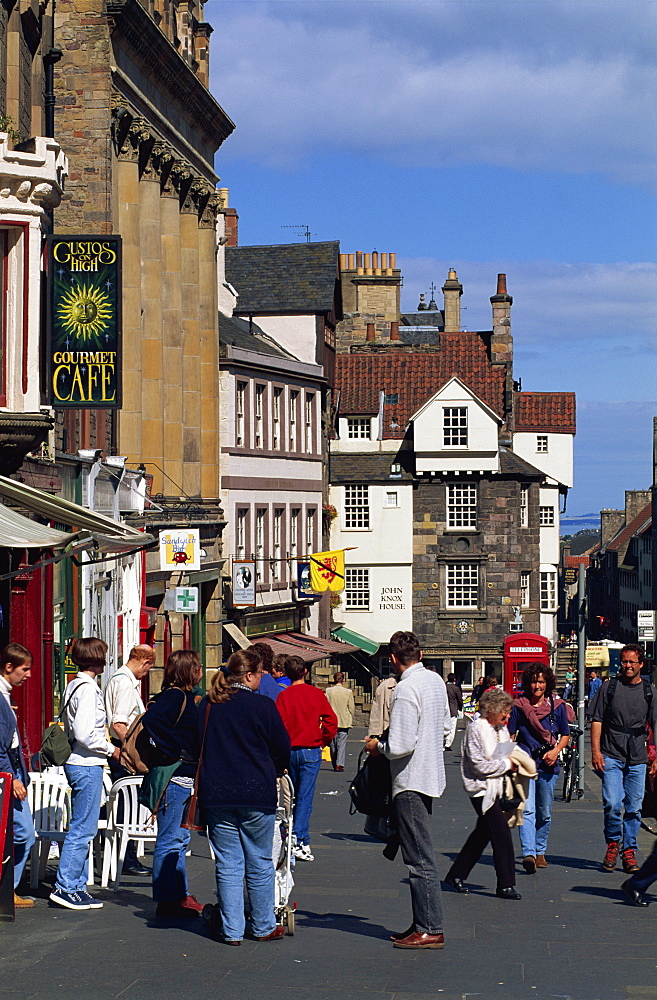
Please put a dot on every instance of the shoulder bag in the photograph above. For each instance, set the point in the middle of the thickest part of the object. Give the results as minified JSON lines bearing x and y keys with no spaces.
{"x":138,"y":750}
{"x":192,"y":818}
{"x":55,"y":744}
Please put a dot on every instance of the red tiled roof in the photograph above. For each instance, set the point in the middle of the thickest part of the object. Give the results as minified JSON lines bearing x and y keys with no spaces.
{"x":545,"y":412}
{"x":415,"y":376}
{"x":574,"y":561}
{"x":624,"y":535}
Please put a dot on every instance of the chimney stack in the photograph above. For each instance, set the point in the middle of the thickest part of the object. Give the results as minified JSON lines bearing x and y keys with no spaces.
{"x":611,"y":522}
{"x":231,"y":219}
{"x":635,"y":500}
{"x":502,"y":345}
{"x":452,"y":291}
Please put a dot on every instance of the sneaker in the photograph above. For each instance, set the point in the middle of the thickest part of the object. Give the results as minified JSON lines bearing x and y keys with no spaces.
{"x":303,"y":853}
{"x":610,"y":858}
{"x":94,"y":904}
{"x":70,"y":900}
{"x":629,"y":861}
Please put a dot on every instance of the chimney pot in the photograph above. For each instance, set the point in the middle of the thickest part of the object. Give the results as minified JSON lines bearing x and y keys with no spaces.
{"x":394,"y":330}
{"x":501,"y":284}
{"x":370,"y":334}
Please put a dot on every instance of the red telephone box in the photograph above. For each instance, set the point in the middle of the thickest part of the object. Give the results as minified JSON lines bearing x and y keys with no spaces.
{"x":521,"y":648}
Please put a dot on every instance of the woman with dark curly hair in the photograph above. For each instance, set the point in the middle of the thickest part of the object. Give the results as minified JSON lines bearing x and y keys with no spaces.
{"x":539,"y":724}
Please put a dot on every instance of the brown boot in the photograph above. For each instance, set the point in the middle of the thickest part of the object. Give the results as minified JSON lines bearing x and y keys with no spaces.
{"x":529,"y":864}
{"x":611,"y":857}
{"x":540,"y":861}
{"x":629,"y":861}
{"x":22,"y":902}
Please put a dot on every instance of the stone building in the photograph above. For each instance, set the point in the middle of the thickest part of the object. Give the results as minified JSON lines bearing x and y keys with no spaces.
{"x":455,"y":527}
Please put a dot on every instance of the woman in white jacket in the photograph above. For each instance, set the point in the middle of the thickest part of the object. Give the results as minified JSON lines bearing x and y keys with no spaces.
{"x":483,"y":766}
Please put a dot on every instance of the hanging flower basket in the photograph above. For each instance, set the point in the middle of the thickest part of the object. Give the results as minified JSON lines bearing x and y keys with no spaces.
{"x":329,"y":512}
{"x":336,"y":600}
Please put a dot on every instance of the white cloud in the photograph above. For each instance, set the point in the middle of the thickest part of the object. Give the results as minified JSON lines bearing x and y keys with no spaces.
{"x":588,"y":328}
{"x":455,"y":83}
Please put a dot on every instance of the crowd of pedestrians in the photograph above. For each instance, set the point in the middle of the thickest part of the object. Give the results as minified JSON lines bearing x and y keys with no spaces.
{"x":261,"y":718}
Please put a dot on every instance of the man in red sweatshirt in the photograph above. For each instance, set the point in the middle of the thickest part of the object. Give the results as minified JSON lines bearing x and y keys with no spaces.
{"x":311,"y":724}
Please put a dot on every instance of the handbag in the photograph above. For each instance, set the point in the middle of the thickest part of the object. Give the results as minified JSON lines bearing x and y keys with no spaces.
{"x":192,"y":817}
{"x":509,"y":800}
{"x":371,"y":789}
{"x":55,"y":744}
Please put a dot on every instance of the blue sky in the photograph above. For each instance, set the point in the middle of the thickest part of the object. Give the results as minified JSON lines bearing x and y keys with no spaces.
{"x":488,"y":135}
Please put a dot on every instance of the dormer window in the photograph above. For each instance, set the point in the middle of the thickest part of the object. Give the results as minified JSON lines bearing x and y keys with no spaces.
{"x":455,"y":426}
{"x":359,"y":427}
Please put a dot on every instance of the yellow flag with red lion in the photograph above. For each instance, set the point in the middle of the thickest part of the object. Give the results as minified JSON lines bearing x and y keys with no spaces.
{"x":327,"y":571}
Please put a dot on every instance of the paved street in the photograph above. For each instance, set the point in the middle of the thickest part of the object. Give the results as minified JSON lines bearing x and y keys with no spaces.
{"x":569,"y":937}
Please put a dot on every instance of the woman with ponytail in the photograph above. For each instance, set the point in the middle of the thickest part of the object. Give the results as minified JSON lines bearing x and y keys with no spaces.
{"x":245,"y":748}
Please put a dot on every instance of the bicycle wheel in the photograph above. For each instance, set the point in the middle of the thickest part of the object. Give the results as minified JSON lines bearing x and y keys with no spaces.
{"x":569,"y":779}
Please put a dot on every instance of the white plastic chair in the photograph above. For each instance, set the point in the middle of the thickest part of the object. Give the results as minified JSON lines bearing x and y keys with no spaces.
{"x":137,"y":824}
{"x":49,"y":799}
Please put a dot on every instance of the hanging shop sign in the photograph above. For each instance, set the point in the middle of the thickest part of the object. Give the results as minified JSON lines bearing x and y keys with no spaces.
{"x":180,"y":549}
{"x":182,"y":600}
{"x":244,"y":583}
{"x":303,"y":581}
{"x":84,"y":313}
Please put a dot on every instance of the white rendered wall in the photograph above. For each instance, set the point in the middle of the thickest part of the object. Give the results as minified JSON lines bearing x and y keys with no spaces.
{"x":297,"y":334}
{"x":549,"y":543}
{"x":386,"y":549}
{"x":481,"y":452}
{"x":556,"y":462}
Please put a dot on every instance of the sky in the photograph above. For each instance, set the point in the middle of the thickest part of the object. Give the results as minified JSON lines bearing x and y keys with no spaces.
{"x":486,"y":135}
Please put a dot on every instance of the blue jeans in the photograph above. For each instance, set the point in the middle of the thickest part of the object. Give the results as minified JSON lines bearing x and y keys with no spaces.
{"x":24,"y":837}
{"x":169,"y":870}
{"x":86,"y":789}
{"x":537,"y":816}
{"x":304,"y":768}
{"x":623,"y":786}
{"x":242,"y":841}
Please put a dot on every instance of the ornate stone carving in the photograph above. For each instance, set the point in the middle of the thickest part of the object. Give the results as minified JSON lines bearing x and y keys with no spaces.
{"x":31,"y":180}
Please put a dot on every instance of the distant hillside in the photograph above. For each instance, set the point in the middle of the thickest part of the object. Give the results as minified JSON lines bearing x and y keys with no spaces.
{"x":582,"y":540}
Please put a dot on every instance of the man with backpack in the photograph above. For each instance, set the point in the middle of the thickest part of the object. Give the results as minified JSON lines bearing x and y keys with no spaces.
{"x":622,"y":707}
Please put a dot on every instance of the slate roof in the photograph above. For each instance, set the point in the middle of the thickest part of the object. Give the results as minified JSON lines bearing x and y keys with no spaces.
{"x":545,"y":412}
{"x":513,"y":465}
{"x":364,"y":467}
{"x":410,"y":378}
{"x":236,"y":332}
{"x":425,"y":317}
{"x":289,"y":278}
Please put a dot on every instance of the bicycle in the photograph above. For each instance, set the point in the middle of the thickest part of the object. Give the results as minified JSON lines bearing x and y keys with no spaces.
{"x":570,"y":758}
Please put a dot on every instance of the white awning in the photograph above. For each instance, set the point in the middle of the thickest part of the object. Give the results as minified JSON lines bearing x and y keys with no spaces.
{"x":95,"y":531}
{"x":19,"y":532}
{"x":57,"y":509}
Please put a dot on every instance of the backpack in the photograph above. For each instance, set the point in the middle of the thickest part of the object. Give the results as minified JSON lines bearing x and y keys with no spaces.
{"x":138,"y":752}
{"x":55,"y":744}
{"x":371,"y":789}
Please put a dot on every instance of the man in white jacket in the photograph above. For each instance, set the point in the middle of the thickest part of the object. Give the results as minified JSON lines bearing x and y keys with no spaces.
{"x":84,"y":724}
{"x":419,"y":723}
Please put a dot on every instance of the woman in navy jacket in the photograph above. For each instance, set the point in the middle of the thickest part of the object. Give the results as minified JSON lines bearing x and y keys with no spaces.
{"x":170,"y":721}
{"x":245,"y":747}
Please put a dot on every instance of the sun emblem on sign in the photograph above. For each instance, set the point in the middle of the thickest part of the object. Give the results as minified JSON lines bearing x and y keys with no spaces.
{"x":85,"y":312}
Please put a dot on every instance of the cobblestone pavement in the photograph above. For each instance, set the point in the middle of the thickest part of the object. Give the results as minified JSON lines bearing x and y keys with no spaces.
{"x":571,"y":937}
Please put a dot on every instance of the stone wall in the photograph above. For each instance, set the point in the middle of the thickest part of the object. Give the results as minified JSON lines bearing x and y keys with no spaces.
{"x":500,"y":547}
